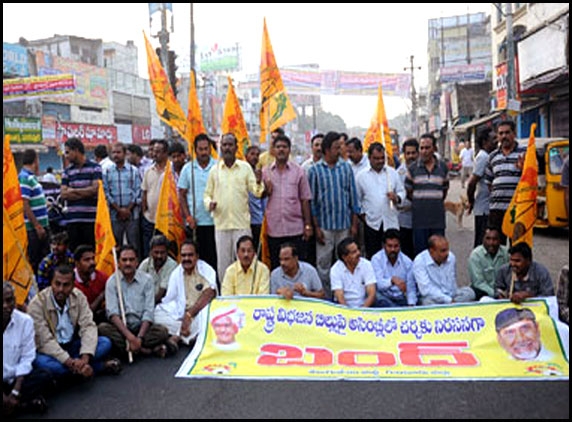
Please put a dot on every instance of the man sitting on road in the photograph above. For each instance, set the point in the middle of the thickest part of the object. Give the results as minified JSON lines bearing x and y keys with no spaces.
{"x":435,"y":273}
{"x":393,"y":274}
{"x":295,"y":278}
{"x":90,"y":281}
{"x":137,"y":334}
{"x":247,"y":275}
{"x":484,"y":262}
{"x":192,"y":285}
{"x":522,"y":277}
{"x":159,"y":265}
{"x":352,"y":277}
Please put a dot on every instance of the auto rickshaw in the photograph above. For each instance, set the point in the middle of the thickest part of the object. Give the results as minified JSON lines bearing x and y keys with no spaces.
{"x":550,"y":207}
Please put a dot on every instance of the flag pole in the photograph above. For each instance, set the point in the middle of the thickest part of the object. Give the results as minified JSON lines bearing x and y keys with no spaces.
{"x":121,"y":305}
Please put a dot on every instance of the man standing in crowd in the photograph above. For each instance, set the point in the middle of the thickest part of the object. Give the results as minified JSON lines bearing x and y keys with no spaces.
{"x":247,"y":275}
{"x":334,"y":204}
{"x":379,"y":192}
{"x":477,"y":189}
{"x":101,"y":157}
{"x":316,"y":143}
{"x":178,"y":158}
{"x":136,"y":158}
{"x":503,"y":173}
{"x":122,"y":187}
{"x":159,"y":265}
{"x":191,"y":185}
{"x":295,"y":278}
{"x":35,"y":209}
{"x":79,"y":190}
{"x":435,"y":273}
{"x":288,"y":208}
{"x":256,"y":205}
{"x":410,"y":154}
{"x":522,"y":277}
{"x":226,"y":197}
{"x":192,"y":285}
{"x":151,"y":189}
{"x":466,"y":157}
{"x":427,"y":184}
{"x":353,"y":279}
{"x":357,"y":159}
{"x":484,"y":262}
{"x":137,"y":334}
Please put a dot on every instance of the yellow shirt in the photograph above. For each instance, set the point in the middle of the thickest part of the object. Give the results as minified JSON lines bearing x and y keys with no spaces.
{"x":229,"y":188}
{"x":265,"y":159}
{"x":238,"y":282}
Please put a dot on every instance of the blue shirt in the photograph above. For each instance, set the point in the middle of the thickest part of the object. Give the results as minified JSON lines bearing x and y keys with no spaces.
{"x":384,"y":271}
{"x":122,"y":187}
{"x":202,"y":216}
{"x":334,"y":195}
{"x":257,"y":206}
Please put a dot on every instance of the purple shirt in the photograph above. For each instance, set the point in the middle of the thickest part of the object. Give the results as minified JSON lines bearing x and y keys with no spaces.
{"x":284,"y":208}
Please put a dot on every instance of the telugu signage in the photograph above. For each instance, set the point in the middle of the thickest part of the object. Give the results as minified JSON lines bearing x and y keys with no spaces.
{"x":23,"y":130}
{"x":267,"y":337}
{"x":89,"y":134}
{"x":220,"y":58}
{"x":38,"y":86}
{"x":15,"y":60}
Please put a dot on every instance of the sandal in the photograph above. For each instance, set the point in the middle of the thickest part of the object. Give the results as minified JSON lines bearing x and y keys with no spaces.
{"x":160,"y":351}
{"x":113,"y":366}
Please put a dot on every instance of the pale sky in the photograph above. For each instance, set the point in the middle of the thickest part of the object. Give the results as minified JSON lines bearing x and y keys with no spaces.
{"x":348,"y":36}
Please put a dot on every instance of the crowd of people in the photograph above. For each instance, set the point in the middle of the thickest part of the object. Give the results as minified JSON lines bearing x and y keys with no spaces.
{"x":344,"y":227}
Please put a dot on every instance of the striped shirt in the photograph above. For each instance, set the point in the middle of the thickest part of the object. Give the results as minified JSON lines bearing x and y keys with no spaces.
{"x":429,"y":190}
{"x":334,"y":194}
{"x":81,"y":210}
{"x":503,"y":176}
{"x":33,"y":192}
{"x":122,"y":187}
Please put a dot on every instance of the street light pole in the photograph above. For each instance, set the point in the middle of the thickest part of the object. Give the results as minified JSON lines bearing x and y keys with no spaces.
{"x":164,"y":41}
{"x":414,"y":125}
{"x":511,"y":82}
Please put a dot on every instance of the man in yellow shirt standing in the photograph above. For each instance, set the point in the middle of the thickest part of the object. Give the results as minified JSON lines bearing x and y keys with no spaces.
{"x":248,"y":275}
{"x":226,"y":197}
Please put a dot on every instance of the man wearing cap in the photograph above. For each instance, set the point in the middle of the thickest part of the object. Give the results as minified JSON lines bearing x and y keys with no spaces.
{"x":226,"y":323}
{"x":519,"y":334}
{"x":192,"y":285}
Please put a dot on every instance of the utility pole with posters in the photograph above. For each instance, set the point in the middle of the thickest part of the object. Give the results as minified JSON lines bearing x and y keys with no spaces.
{"x":414,"y":125}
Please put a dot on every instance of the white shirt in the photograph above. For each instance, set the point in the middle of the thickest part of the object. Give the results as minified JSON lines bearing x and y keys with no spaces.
{"x":359,"y":167}
{"x":466,"y":157}
{"x":49,"y":178}
{"x":18,"y":347}
{"x":353,"y":284}
{"x":372,"y":188}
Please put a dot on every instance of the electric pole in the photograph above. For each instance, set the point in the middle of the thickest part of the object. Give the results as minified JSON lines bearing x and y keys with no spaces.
{"x":511,"y":91}
{"x":414,"y":125}
{"x":164,"y":41}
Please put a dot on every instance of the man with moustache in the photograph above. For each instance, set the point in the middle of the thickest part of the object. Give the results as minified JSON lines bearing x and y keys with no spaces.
{"x":192,"y":285}
{"x":159,"y":265}
{"x":410,"y":150}
{"x":90,"y":281}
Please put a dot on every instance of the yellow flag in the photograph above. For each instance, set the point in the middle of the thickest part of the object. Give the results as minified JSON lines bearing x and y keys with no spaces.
{"x":169,"y":219}
{"x":233,"y":121}
{"x":12,"y":195}
{"x":518,"y":222}
{"x":275,"y":107}
{"x":15,"y":265}
{"x":168,"y":108}
{"x":104,"y":238}
{"x":378,"y":130}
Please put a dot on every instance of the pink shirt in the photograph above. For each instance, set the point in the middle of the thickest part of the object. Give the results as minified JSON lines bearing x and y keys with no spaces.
{"x":284,"y":209}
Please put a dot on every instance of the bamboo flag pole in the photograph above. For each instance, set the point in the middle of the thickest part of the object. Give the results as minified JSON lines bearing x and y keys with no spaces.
{"x":389,"y":188}
{"x":512,"y":281}
{"x":120,"y":296}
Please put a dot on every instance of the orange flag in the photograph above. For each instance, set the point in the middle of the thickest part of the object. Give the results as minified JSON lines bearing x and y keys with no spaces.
{"x":12,"y":195}
{"x":275,"y":107}
{"x":233,"y":121}
{"x":264,"y":254}
{"x":168,"y":108}
{"x":104,"y":238}
{"x":169,"y":219}
{"x":194,"y":114}
{"x":15,"y":265}
{"x":378,"y":130}
{"x":518,"y":222}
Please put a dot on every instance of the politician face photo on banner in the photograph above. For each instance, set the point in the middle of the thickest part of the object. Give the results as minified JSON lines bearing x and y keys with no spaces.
{"x":518,"y":333}
{"x":226,"y":323}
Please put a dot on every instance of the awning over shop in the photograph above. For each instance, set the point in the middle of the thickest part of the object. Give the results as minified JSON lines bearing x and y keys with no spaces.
{"x":466,"y":126}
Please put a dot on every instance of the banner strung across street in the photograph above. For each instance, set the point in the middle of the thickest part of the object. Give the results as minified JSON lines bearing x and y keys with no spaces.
{"x":266,"y":337}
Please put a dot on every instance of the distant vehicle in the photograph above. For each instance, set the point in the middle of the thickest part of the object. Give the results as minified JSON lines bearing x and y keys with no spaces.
{"x":550,"y":207}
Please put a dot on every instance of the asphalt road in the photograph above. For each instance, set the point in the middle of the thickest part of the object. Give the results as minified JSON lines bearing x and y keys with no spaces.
{"x":148,"y":389}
